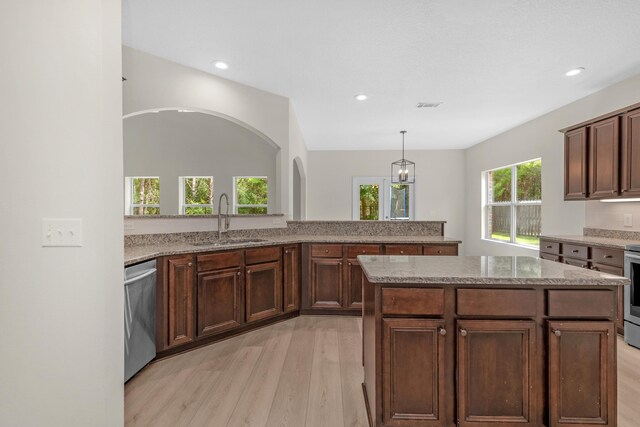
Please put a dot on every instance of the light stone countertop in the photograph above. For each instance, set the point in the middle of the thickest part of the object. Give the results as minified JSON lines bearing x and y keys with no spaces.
{"x":480,"y":270}
{"x":140,"y":253}
{"x":607,"y":242}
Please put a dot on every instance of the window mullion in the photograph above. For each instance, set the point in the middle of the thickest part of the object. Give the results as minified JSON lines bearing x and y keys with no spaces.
{"x":514,"y":198}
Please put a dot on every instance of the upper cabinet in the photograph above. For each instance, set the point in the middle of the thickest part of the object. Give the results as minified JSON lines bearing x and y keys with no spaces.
{"x":630,"y":185}
{"x":575,"y":164}
{"x":602,"y":157}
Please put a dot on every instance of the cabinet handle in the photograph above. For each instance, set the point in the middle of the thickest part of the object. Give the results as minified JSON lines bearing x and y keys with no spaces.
{"x":608,"y":256}
{"x":566,"y":261}
{"x":549,"y":246}
{"x":463,"y":332}
{"x":593,"y":267}
{"x":190,"y":264}
{"x":585,"y":266}
{"x":556,"y":332}
{"x":443,"y":331}
{"x":575,"y":251}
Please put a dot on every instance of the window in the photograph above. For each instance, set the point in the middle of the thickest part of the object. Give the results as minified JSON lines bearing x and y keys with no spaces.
{"x":196,"y":195}
{"x":514,"y":216}
{"x":377,"y":199}
{"x":250,"y":195}
{"x":142,"y":195}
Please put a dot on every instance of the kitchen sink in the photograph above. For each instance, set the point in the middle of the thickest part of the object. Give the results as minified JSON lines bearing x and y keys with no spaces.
{"x":227,"y":242}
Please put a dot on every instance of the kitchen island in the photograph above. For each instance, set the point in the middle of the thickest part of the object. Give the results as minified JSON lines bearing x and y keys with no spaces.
{"x":483,"y":341}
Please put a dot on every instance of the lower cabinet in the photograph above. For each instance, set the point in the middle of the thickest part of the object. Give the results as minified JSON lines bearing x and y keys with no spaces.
{"x":263,"y":291}
{"x":496,"y":371}
{"x":582,"y":372}
{"x":178,"y":302}
{"x":291,"y":278}
{"x":354,"y":284}
{"x":413,"y":372}
{"x":219,"y":301}
{"x":326,"y":283}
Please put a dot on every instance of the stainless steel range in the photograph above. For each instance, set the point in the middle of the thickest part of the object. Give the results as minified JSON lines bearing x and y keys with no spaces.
{"x":632,"y":295}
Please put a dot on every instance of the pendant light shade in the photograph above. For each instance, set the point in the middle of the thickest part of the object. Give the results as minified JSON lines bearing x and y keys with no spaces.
{"x":403,"y":171}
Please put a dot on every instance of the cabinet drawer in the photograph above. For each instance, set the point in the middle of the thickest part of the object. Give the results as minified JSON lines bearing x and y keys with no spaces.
{"x":550,"y":247}
{"x":496,"y":302}
{"x":403,"y":250}
{"x":355,"y":250}
{"x":575,"y":251}
{"x":614,"y":257}
{"x":576,"y":262}
{"x":581,"y":303}
{"x":440,"y":250}
{"x":326,"y":251}
{"x":219,"y":261}
{"x":260,"y":255}
{"x":618,"y":271}
{"x":550,"y":257}
{"x":427,"y":302}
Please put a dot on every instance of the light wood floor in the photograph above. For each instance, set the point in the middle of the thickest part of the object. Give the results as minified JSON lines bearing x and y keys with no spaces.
{"x":302,"y":372}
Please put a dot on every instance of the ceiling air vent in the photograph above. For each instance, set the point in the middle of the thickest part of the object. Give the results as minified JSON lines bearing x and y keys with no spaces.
{"x":428,"y":104}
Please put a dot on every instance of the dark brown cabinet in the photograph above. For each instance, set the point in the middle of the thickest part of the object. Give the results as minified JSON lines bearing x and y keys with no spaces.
{"x":414,"y":369}
{"x":354,"y":284}
{"x":178,"y":301}
{"x":496,"y":364}
{"x":291,"y":278}
{"x":263,"y":286}
{"x":575,"y":164}
{"x":219,"y":299}
{"x":604,"y":166}
{"x":630,"y":163}
{"x":582,"y":372}
{"x":326,"y":283}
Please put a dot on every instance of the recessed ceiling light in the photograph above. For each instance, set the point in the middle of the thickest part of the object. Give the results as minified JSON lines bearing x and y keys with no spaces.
{"x":574,"y":72}
{"x":221,"y":65}
{"x":361,"y":97}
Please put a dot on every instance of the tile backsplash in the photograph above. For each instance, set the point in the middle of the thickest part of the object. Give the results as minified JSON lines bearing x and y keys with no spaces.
{"x":611,"y":215}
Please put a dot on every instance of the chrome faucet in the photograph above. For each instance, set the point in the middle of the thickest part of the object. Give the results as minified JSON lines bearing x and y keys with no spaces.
{"x":226,"y":216}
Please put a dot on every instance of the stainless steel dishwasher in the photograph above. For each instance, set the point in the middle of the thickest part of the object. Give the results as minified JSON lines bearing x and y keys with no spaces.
{"x":139,"y":317}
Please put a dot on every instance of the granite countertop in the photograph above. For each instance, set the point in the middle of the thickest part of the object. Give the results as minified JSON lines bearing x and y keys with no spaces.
{"x":139,"y":253}
{"x":608,"y":242}
{"x":480,"y":270}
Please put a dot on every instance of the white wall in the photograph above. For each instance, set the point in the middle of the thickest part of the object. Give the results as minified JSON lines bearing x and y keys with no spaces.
{"x":297,"y":153}
{"x":170,"y":144}
{"x":153,"y":83}
{"x":539,"y":138}
{"x":440,"y":191}
{"x":61,"y":315}
{"x":611,"y":215}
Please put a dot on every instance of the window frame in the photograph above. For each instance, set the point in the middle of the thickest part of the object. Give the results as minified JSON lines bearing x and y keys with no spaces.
{"x":236,"y":205}
{"x":513,"y":204}
{"x":182,"y":194}
{"x":384,"y":197}
{"x":130,"y":207}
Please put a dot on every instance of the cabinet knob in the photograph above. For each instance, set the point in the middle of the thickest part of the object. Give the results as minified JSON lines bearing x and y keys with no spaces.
{"x":190,"y":264}
{"x":326,"y":251}
{"x":557,"y":332}
{"x":401,"y":252}
{"x":443,"y":331}
{"x":340,"y":263}
{"x":238,"y":273}
{"x":349,"y":264}
{"x":364,"y":252}
{"x":248,"y":271}
{"x":286,"y":251}
{"x":463,"y":332}
{"x":439,"y":251}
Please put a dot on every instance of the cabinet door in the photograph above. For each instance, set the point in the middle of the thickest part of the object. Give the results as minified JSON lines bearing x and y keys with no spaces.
{"x":326,"y":283}
{"x":618,"y":271}
{"x":496,"y":366}
{"x":413,"y":372}
{"x":354,"y":284}
{"x":582,"y":374}
{"x":219,"y":301}
{"x":604,"y":165}
{"x":631,"y":155}
{"x":291,"y":279}
{"x":263,"y":291}
{"x":179,"y":301}
{"x":575,"y":164}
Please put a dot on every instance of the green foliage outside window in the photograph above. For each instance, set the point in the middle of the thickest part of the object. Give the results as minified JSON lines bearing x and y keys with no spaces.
{"x":146,"y":191}
{"x":251,"y":191}
{"x":369,"y":202}
{"x":198,"y":191}
{"x":530,"y":181}
{"x":500,"y":181}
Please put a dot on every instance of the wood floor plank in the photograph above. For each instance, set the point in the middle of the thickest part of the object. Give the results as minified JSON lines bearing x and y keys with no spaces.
{"x":324,"y":408}
{"x":255,"y":403}
{"x":289,"y":407}
{"x":351,"y":373}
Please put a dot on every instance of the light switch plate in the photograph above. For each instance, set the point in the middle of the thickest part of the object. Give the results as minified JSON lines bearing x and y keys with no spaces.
{"x":628,"y":220}
{"x":61,"y":232}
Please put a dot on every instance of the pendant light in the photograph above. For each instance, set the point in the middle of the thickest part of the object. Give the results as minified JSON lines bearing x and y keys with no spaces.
{"x":403,"y":171}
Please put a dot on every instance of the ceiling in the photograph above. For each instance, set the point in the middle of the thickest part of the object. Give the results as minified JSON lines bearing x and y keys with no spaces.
{"x":494,"y":63}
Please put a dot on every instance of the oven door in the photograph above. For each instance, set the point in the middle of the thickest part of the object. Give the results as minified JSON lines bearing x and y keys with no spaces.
{"x":632,"y":292}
